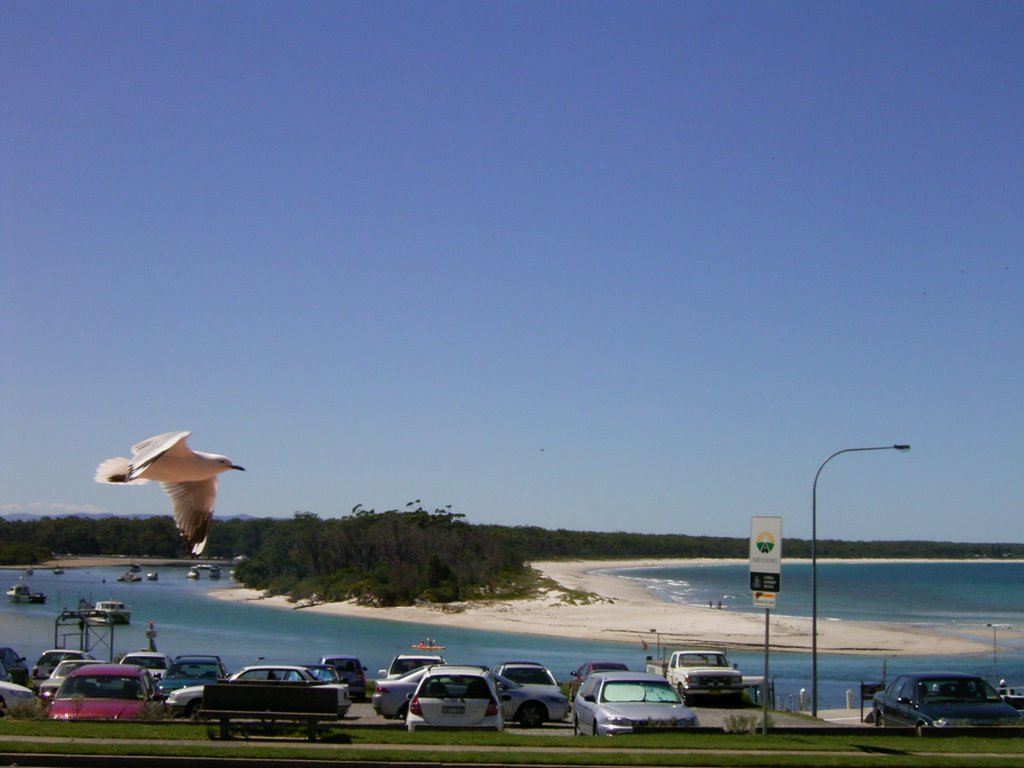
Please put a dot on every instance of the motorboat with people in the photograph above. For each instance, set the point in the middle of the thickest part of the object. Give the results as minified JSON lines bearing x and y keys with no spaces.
{"x":430,"y":644}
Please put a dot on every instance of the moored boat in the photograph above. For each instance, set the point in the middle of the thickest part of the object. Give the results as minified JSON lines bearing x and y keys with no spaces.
{"x":129,"y":576}
{"x":22,"y":593}
{"x":111,"y":612}
{"x":152,"y":576}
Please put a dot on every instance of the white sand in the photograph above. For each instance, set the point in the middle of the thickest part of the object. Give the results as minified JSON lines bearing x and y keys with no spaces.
{"x":625,"y":611}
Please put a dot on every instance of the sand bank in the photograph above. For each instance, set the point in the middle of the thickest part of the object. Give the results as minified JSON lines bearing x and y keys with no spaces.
{"x":622,"y":610}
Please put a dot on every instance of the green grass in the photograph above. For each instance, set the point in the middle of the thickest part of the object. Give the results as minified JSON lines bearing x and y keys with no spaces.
{"x":859,"y":748}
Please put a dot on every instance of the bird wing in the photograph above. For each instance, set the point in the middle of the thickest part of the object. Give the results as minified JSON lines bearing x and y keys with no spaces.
{"x":148,"y":451}
{"x":193,"y":510}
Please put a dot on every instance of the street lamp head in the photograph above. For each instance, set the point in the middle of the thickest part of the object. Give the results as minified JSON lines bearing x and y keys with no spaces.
{"x":903,"y":448}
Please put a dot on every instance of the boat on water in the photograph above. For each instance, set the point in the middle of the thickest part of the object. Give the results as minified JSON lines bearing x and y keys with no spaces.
{"x":22,"y":593}
{"x":129,"y":576}
{"x":193,"y":573}
{"x":58,"y":571}
{"x":152,"y":576}
{"x":427,"y":645}
{"x":110,"y":612}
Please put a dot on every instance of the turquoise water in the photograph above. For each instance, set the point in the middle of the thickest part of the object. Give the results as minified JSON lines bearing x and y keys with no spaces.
{"x":188,"y":620}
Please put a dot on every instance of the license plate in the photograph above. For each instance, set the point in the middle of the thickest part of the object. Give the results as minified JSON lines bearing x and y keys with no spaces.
{"x":453,"y":710}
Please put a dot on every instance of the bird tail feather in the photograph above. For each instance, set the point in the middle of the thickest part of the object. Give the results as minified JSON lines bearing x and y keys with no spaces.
{"x":118,"y":471}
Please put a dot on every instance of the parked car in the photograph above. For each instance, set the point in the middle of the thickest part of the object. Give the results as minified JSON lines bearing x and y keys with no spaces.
{"x":48,"y":661}
{"x":45,"y":689}
{"x":526,"y":673}
{"x":157,"y":663}
{"x":191,"y":670}
{"x":941,"y":699}
{"x":14,"y":663}
{"x":616,"y":702}
{"x":12,"y":694}
{"x":406,"y":662}
{"x":530,"y":705}
{"x":450,"y":696}
{"x":581,"y":673}
{"x":185,"y":702}
{"x":104,"y":692}
{"x":351,"y":670}
{"x":391,"y":695}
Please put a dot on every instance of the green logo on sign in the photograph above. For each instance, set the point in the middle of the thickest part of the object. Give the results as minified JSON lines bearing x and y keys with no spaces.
{"x":765,"y":543}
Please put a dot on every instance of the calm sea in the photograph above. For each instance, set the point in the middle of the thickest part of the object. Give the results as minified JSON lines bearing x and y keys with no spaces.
{"x":959,"y":597}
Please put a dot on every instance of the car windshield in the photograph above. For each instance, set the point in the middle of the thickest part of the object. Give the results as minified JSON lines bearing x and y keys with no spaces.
{"x":194,"y":669}
{"x":628,"y":691}
{"x":955,"y":689}
{"x":456,"y":687}
{"x":703,"y":660}
{"x":149,"y":662}
{"x":529,"y":675}
{"x":102,"y":687}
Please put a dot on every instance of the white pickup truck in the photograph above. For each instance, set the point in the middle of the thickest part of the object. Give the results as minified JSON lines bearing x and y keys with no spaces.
{"x":697,"y":672}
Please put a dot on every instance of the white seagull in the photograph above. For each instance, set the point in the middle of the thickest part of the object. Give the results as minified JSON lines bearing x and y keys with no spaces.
{"x":188,"y":477}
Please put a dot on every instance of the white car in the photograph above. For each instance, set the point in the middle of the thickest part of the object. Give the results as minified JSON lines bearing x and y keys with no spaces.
{"x":187,"y":701}
{"x":48,"y":660}
{"x":404,"y":663}
{"x":45,"y":689}
{"x":157,"y":663}
{"x":530,"y":705}
{"x":12,"y":694}
{"x":450,"y":696}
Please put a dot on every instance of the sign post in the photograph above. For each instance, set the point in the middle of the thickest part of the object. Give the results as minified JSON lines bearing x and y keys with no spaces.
{"x":765,"y":583}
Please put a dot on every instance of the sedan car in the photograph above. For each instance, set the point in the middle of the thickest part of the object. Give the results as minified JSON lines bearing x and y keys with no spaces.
{"x":391,"y":695}
{"x":530,"y":705}
{"x":104,"y":692}
{"x":941,"y":700}
{"x":526,"y":673}
{"x":49,"y":660}
{"x":157,"y":663}
{"x":610,"y":703}
{"x":191,"y":670}
{"x":450,"y":696}
{"x":14,"y":695}
{"x":45,"y":689}
{"x":187,"y":701}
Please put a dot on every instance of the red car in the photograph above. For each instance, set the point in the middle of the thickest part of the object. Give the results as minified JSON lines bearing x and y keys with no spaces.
{"x":104,"y":692}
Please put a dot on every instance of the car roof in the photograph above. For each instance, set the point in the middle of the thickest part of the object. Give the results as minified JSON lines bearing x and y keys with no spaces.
{"x":522,"y":664}
{"x":936,"y":675}
{"x":196,"y":656}
{"x":147,"y":654}
{"x":278,"y":666}
{"x":113,"y":670}
{"x":326,"y":659}
{"x":459,"y":669}
{"x":625,"y":675}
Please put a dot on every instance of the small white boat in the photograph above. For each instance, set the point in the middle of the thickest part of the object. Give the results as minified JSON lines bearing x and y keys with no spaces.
{"x":193,"y":573}
{"x":112,"y":612}
{"x":152,"y":576}
{"x":22,"y":593}
{"x":129,"y":576}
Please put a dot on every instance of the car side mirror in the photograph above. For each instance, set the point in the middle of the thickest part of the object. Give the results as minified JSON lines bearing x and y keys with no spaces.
{"x":590,"y":697}
{"x":904,"y":700}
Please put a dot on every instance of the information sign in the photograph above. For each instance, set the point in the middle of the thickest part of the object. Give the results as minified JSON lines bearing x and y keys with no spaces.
{"x":766,"y":554}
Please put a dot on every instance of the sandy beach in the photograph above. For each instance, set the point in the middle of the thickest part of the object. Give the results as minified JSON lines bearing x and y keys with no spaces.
{"x":624,"y":611}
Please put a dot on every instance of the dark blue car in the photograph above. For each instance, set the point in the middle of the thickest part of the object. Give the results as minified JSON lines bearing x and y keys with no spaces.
{"x":942,"y":699}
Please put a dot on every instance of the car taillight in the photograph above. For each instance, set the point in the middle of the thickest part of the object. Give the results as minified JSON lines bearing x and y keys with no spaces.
{"x":381,"y":689}
{"x":414,"y":706}
{"x":492,"y":708}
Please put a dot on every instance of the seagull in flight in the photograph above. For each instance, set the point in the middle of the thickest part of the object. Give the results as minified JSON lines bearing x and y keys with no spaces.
{"x":188,"y":477}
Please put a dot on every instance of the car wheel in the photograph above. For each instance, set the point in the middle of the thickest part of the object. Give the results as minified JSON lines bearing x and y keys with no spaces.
{"x":3,"y":706}
{"x":576,"y":727}
{"x":879,"y":719}
{"x":192,"y":709}
{"x":531,"y":715}
{"x":594,"y":728}
{"x":402,"y":712}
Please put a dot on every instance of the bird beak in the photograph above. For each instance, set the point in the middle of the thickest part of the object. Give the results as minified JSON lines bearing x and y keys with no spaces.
{"x":235,"y":466}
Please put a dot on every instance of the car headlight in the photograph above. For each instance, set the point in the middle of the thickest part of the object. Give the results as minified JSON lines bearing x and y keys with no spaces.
{"x":619,"y":721}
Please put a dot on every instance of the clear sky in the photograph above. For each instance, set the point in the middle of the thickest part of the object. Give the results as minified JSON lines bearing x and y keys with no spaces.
{"x":596,"y":265}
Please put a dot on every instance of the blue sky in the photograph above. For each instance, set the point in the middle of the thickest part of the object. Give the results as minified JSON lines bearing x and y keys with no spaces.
{"x":585,"y":265}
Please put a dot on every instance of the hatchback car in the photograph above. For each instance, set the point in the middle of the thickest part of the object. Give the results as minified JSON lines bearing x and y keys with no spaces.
{"x":351,"y":670}
{"x":49,"y":660}
{"x":45,"y":689}
{"x":450,"y":696}
{"x":104,"y":692}
{"x":610,"y":703}
{"x":941,"y":700}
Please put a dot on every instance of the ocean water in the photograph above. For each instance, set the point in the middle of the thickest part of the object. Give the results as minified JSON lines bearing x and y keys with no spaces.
{"x":959,"y":597}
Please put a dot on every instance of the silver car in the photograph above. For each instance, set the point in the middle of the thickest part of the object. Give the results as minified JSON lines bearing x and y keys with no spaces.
{"x":45,"y":689}
{"x":530,"y":705}
{"x":391,"y":695}
{"x":526,"y":673}
{"x":610,"y":703}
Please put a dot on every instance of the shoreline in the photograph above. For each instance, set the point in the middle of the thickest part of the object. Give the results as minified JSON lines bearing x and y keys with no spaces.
{"x":625,"y":611}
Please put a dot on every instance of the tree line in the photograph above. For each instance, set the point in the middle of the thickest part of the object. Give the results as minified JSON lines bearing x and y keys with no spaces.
{"x":398,"y":557}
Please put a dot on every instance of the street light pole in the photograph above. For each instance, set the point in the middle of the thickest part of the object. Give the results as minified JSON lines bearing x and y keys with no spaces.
{"x":814,"y":564}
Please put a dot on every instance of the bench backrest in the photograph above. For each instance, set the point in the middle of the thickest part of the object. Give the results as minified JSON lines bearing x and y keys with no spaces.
{"x":273,"y":697}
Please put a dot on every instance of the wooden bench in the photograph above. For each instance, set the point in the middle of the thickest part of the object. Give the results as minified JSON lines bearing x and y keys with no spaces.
{"x":269,"y":702}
